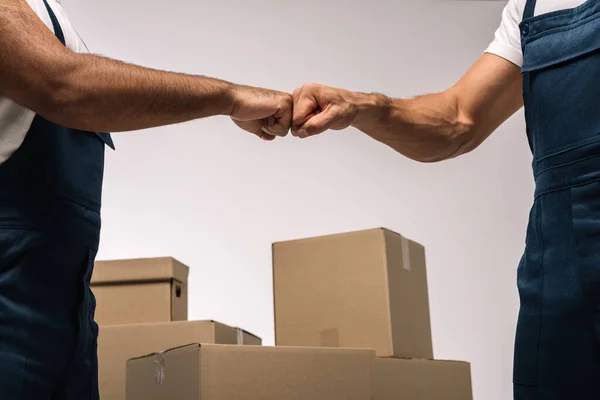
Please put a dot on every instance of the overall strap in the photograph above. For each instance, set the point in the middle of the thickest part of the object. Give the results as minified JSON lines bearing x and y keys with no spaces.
{"x":57,"y":29}
{"x":105,"y":137}
{"x":529,"y":9}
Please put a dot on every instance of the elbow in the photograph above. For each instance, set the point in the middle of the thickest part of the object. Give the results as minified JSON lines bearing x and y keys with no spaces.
{"x":59,"y":104}
{"x":61,"y":99}
{"x":463,"y":139}
{"x":458,"y":137}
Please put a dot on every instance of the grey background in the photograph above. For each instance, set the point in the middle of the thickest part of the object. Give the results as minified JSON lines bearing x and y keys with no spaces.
{"x":216,"y":198}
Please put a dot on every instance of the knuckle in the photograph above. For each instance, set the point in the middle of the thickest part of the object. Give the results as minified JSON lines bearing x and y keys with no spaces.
{"x":337,"y":113}
{"x":310,"y":87}
{"x":297,"y":120}
{"x":286,"y":104}
{"x":311,"y":129}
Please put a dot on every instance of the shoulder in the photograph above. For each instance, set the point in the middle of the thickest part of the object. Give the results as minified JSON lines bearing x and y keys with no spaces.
{"x":517,"y":7}
{"x":74,"y":41}
{"x":72,"y":38}
{"x":39,"y":8}
{"x":507,"y":39}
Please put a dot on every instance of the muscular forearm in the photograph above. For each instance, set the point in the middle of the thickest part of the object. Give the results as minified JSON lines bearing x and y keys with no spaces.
{"x":96,"y":93}
{"x":427,"y":128}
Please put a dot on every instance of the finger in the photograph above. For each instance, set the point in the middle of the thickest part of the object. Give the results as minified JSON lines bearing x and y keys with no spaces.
{"x":256,"y":128}
{"x":319,"y":123}
{"x":280,"y":129}
{"x":270,"y":131}
{"x":296,"y":94}
{"x":304,"y":107}
{"x":283,"y":120}
{"x":266,"y":136}
{"x":296,"y":130}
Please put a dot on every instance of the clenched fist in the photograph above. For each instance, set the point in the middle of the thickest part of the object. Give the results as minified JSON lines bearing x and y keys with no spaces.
{"x":265,"y":113}
{"x":319,"y":108}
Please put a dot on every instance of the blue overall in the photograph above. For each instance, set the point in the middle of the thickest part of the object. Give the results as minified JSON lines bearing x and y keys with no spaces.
{"x":557,"y":354}
{"x":50,"y":192}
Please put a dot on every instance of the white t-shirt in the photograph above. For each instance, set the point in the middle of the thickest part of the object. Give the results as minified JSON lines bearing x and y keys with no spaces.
{"x":507,"y":42}
{"x":16,"y":120}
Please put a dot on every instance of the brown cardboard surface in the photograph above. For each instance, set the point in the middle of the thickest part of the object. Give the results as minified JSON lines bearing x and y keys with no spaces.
{"x":247,"y":338}
{"x":139,"y":270}
{"x":408,"y":297}
{"x":396,"y":379}
{"x":140,"y":291}
{"x":212,"y":372}
{"x":365,"y":289}
{"x":117,"y":344}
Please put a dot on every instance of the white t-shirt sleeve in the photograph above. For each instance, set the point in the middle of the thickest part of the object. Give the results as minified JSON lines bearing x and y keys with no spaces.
{"x":507,"y":40}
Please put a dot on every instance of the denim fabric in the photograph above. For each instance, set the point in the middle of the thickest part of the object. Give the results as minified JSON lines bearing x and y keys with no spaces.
{"x":557,"y":349}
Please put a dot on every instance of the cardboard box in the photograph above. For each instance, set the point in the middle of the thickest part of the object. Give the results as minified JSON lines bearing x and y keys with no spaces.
{"x":212,"y":372}
{"x":117,"y":344}
{"x":248,"y":339}
{"x":140,"y":291}
{"x":422,"y":380}
{"x":364,"y":289}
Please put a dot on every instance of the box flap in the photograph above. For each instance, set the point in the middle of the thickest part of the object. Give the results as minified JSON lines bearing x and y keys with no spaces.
{"x":183,"y":348}
{"x":139,"y":270}
{"x":333,"y":236}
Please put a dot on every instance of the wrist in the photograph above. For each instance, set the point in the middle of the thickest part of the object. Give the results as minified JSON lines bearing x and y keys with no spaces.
{"x":226,"y":97}
{"x":372,"y":109}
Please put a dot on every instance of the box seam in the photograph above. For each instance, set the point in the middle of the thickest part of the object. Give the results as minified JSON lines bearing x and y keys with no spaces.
{"x":387,"y":291}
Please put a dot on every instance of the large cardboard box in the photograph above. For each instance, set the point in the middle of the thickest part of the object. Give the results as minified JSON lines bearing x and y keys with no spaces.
{"x":212,"y":372}
{"x":422,"y":380}
{"x":364,"y":289}
{"x":140,"y":291}
{"x":117,"y":344}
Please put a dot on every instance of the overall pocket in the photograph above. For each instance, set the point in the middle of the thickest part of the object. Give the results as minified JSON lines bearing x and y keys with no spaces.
{"x":561,"y":66}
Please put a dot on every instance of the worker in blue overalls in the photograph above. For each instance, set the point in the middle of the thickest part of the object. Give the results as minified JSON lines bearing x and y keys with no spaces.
{"x":56,"y":103}
{"x":546,"y":55}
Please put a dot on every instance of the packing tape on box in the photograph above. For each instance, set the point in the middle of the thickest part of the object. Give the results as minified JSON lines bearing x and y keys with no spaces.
{"x":240,"y":336}
{"x":405,"y":253}
{"x":159,"y":361}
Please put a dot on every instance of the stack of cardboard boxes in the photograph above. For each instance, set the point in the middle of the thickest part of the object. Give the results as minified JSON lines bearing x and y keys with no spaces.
{"x":141,"y":307}
{"x":352,"y":322}
{"x":366,"y":289}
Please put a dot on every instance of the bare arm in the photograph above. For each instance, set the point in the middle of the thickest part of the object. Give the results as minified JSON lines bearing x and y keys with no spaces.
{"x":96,"y":93}
{"x":427,"y":128}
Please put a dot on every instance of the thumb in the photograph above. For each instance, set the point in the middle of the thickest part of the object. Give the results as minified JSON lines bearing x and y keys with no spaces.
{"x":319,"y":123}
